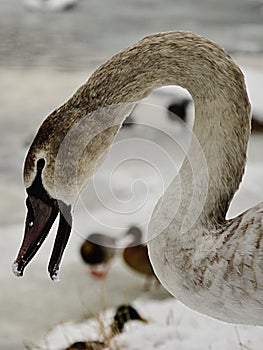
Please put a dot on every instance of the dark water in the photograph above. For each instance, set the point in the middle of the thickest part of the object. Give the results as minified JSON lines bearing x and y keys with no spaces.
{"x":95,"y":29}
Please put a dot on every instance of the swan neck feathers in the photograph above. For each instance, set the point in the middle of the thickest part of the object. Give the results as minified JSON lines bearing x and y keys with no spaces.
{"x":222,"y":112}
{"x":211,"y":264}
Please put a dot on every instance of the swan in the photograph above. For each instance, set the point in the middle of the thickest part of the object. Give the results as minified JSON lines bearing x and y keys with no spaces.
{"x":212,"y":264}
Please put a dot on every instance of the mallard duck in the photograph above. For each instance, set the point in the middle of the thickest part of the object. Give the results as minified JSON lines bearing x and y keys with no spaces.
{"x":124,"y":314}
{"x":212,"y":264}
{"x":136,"y":256}
{"x":97,"y":251}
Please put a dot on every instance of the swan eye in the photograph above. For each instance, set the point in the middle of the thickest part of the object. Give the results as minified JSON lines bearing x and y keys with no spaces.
{"x":31,"y":223}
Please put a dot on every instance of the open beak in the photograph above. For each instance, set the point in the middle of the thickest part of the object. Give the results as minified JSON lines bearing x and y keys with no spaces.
{"x":39,"y":220}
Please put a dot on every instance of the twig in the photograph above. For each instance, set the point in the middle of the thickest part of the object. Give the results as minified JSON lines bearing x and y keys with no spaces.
{"x":241,"y":345}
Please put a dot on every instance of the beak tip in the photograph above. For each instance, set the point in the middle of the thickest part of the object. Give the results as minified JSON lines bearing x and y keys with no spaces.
{"x":54,"y":276}
{"x":16,"y":270}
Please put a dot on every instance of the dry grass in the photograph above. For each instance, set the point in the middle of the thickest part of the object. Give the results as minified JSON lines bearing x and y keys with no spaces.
{"x":107,"y":338}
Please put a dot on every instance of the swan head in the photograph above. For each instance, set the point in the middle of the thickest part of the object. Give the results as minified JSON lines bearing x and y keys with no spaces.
{"x":63,"y":156}
{"x":42,"y":211}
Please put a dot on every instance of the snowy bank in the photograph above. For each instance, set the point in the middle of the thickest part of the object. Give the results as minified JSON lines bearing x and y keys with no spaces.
{"x":170,"y":326}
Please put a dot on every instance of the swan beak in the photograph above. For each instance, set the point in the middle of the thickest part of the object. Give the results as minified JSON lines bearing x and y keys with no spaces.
{"x":64,"y":230}
{"x":39,"y":220}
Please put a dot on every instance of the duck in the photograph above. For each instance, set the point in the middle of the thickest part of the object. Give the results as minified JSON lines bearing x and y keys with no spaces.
{"x":136,"y":257}
{"x":98,"y":251}
{"x":211,"y":263}
{"x":124,"y":313}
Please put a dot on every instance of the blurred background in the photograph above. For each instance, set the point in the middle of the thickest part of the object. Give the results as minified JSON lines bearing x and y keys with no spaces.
{"x":90,"y":31}
{"x":48,"y":48}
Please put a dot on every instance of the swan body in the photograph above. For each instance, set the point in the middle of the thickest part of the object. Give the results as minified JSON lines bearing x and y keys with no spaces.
{"x":211,"y":264}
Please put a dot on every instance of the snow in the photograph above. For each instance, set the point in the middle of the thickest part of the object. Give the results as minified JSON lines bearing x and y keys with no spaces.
{"x":33,"y":309}
{"x":15,"y":270}
{"x":170,"y":326}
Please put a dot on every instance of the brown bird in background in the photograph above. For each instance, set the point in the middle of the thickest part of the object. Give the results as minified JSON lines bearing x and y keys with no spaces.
{"x":136,"y":256}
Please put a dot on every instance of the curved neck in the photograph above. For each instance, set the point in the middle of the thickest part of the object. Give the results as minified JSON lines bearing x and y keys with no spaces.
{"x":222,"y":110}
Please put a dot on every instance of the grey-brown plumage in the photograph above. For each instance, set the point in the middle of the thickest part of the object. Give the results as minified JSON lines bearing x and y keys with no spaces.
{"x":212,"y":264}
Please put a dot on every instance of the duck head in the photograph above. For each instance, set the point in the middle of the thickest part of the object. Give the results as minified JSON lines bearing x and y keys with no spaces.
{"x":124,"y":314}
{"x":136,"y":235}
{"x":97,"y":251}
